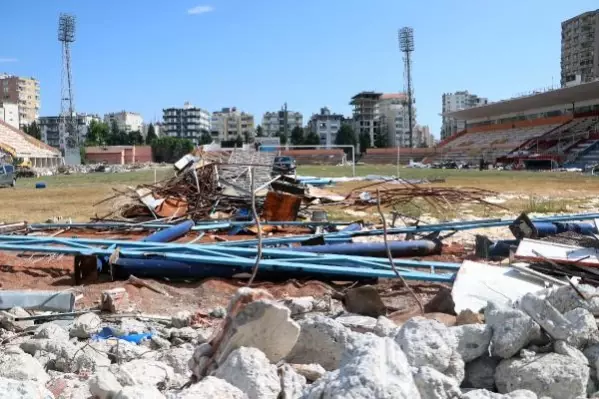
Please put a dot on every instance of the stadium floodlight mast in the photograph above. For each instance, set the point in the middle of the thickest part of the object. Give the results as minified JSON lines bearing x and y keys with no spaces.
{"x":66,"y":36}
{"x":406,"y":46}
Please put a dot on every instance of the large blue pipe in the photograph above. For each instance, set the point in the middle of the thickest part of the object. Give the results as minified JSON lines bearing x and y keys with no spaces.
{"x":172,"y":233}
{"x":376,"y":249}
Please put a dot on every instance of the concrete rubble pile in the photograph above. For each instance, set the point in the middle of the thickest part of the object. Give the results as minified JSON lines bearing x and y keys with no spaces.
{"x":544,"y":345}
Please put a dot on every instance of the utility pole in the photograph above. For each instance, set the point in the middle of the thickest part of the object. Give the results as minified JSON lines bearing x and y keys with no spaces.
{"x":406,"y":46}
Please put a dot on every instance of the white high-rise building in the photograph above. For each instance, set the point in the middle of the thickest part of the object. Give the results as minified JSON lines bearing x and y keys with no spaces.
{"x":9,"y":113}
{"x":454,"y":102}
{"x":274,"y":123}
{"x":188,"y":122}
{"x":126,"y":121}
{"x":394,"y":120}
{"x":230,"y":123}
{"x":326,"y":125}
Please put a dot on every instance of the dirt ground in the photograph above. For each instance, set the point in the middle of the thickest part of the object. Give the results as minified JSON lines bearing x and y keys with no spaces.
{"x":73,"y":197}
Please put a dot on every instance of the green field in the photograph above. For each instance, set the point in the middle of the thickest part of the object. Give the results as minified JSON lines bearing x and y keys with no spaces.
{"x":74,"y":195}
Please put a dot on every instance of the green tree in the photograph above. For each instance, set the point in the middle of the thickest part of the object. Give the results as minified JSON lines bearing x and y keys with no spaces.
{"x":345,"y":135}
{"x":259,"y":131}
{"x":247,"y":137}
{"x":97,"y":133}
{"x":238,"y":142}
{"x":283,"y":138}
{"x":151,"y":136}
{"x":170,"y":149}
{"x":205,"y":138}
{"x":33,"y":130}
{"x":312,"y":138}
{"x":380,"y":141}
{"x":364,"y":142}
{"x":135,"y":138}
{"x":297,"y":136}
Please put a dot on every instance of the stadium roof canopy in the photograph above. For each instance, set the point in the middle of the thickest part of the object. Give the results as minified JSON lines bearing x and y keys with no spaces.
{"x":566,"y":95}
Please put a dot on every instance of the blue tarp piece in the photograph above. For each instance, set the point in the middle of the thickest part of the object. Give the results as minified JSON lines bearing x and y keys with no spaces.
{"x":107,"y":333}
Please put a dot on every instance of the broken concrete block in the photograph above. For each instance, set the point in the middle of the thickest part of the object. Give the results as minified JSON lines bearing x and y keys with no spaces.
{"x":200,"y":360}
{"x":123,"y":351}
{"x":300,"y":305}
{"x":311,"y":372}
{"x":182,"y":319}
{"x":189,"y":334}
{"x":139,"y":392}
{"x":264,"y":325}
{"x":563,"y":348}
{"x":68,"y":386}
{"x":143,"y":372}
{"x":250,"y":370}
{"x":51,"y":331}
{"x":8,"y":322}
{"x":385,"y":327}
{"x":364,"y":300}
{"x":115,"y":300}
{"x":484,"y":394}
{"x":22,"y":366}
{"x":512,"y":330}
{"x":551,"y":374}
{"x":104,"y":385}
{"x":473,"y":340}
{"x":426,"y":343}
{"x":456,"y":368}
{"x":292,"y":383}
{"x":211,"y":388}
{"x":433,"y":384}
{"x":591,"y":352}
{"x":373,"y":368}
{"x":158,"y":343}
{"x":480,"y":373}
{"x":357,"y":323}
{"x":13,"y":389}
{"x":178,"y":358}
{"x":322,"y":341}
{"x":85,"y":325}
{"x":574,"y":329}
{"x":129,"y":325}
{"x":565,"y":298}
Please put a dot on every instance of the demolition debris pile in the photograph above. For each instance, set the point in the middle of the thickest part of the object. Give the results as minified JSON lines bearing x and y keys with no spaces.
{"x":545,"y":345}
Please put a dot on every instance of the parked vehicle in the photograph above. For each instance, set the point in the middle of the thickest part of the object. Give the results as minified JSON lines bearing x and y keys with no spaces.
{"x":8,"y":177}
{"x":284,"y":165}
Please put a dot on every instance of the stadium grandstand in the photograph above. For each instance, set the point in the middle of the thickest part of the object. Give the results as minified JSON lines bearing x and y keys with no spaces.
{"x":19,"y":145}
{"x":557,"y":127}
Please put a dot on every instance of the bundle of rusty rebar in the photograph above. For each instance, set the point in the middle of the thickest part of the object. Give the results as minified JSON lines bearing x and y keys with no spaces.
{"x":440,"y":198}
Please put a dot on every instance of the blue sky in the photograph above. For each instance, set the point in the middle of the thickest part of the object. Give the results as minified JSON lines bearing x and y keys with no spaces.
{"x":257,"y":54}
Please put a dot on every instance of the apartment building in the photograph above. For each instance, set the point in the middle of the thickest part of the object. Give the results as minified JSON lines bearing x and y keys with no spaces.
{"x":25,"y":92}
{"x":365,"y":114}
{"x":230,"y":123}
{"x":126,"y":121}
{"x":274,"y":123}
{"x":394,"y":120}
{"x":580,"y":49}
{"x":9,"y":113}
{"x":326,"y":125}
{"x":423,"y":136}
{"x":455,"y":102}
{"x":188,"y":122}
{"x":54,"y":134}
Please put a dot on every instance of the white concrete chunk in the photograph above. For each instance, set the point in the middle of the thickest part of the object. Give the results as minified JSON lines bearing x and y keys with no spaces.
{"x":311,"y":372}
{"x":139,"y":392}
{"x":473,"y":340}
{"x":292,"y":383}
{"x":480,"y":373}
{"x":512,"y":330}
{"x":550,"y":374}
{"x":13,"y":389}
{"x":385,"y":327}
{"x":426,"y":343}
{"x":104,"y":385}
{"x":563,"y":348}
{"x":433,"y":384}
{"x":373,"y":368}
{"x":51,"y":331}
{"x":250,"y":370}
{"x":299,"y":305}
{"x":23,"y":367}
{"x":85,"y":325}
{"x":211,"y":388}
{"x":143,"y":372}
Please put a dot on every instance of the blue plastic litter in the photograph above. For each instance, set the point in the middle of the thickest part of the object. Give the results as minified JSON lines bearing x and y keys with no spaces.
{"x":108,"y":332}
{"x":40,"y":184}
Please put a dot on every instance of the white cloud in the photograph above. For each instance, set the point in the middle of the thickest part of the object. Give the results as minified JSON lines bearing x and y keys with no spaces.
{"x":200,"y":10}
{"x":5,"y":60}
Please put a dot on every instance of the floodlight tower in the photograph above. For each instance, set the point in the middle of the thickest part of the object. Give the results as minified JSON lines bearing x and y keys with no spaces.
{"x":68,"y":120}
{"x":406,"y":46}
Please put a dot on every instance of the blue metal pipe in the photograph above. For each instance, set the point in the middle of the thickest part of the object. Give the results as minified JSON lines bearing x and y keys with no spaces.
{"x":545,"y":229}
{"x":172,"y":233}
{"x":377,"y":249}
